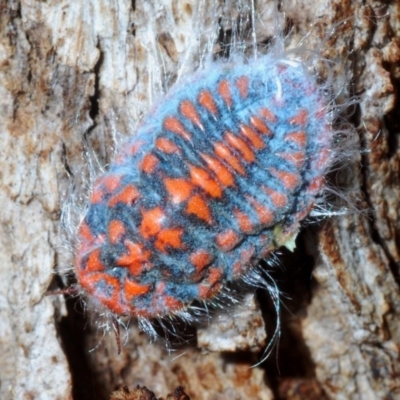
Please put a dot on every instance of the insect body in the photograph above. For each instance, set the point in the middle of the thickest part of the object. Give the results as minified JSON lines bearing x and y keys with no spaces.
{"x":215,"y":178}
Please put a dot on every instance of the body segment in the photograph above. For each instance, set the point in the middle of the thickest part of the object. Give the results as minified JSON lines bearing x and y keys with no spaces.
{"x":216,"y":177}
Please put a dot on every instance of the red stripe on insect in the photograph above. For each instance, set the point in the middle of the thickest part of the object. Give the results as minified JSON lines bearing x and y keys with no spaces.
{"x":116,"y":231}
{"x":206,"y":100}
{"x":198,"y":206}
{"x":133,"y":289}
{"x":227,"y":240}
{"x":179,"y":189}
{"x":299,"y":119}
{"x":167,"y":146}
{"x":201,"y":178}
{"x":265,"y":215}
{"x":224,"y":91}
{"x":174,"y":125}
{"x":242,"y":84}
{"x":244,"y":221}
{"x":200,"y":259}
{"x":241,"y":146}
{"x":169,"y":238}
{"x":128,"y":196}
{"x":300,"y":138}
{"x":223,"y":152}
{"x":252,"y":136}
{"x":295,"y":158}
{"x":268,"y":115}
{"x":152,"y":222}
{"x":279,"y":200}
{"x":289,"y":180}
{"x":221,"y":172}
{"x":135,"y":258}
{"x":188,"y":110}
{"x":149,"y":163}
{"x":259,"y":124}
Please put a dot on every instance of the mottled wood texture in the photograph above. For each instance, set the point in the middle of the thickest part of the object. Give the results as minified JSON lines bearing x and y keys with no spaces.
{"x":84,"y":72}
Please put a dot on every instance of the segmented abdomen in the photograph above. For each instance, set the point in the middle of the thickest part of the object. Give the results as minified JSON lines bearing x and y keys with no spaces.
{"x":220,"y":174}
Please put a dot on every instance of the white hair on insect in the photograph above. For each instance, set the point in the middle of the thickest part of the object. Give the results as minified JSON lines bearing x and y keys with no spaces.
{"x":222,"y":32}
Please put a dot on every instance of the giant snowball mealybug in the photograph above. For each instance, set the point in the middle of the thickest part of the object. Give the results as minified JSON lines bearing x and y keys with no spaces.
{"x":217,"y":176}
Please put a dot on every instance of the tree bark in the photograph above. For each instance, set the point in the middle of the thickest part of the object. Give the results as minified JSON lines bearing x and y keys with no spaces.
{"x":75,"y":79}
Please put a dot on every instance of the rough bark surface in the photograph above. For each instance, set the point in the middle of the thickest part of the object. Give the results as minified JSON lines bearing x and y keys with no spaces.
{"x":75,"y":76}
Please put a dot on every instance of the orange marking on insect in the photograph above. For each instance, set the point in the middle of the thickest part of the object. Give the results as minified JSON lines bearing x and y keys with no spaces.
{"x":253,"y":136}
{"x":188,"y":110}
{"x":93,"y":263}
{"x":241,"y":146}
{"x":206,"y":100}
{"x":110,"y":298}
{"x":162,"y":302}
{"x":222,"y":173}
{"x":299,"y":138}
{"x":133,"y":289}
{"x":323,"y":158}
{"x":179,"y":189}
{"x":259,"y":124}
{"x":85,"y":233}
{"x":167,"y":146}
{"x":289,"y":180}
{"x":171,"y":303}
{"x":152,"y":221}
{"x":197,"y":206}
{"x":97,"y":195}
{"x":90,"y":282}
{"x":169,"y":237}
{"x":264,"y":214}
{"x":128,"y":196}
{"x":316,"y":184}
{"x":135,"y":258}
{"x":278,"y":199}
{"x":174,"y":125}
{"x":227,"y":240}
{"x":243,"y":221}
{"x":268,"y":114}
{"x":95,"y":285}
{"x":245,"y":257}
{"x":207,"y":292}
{"x":149,"y":163}
{"x":224,"y":91}
{"x":222,"y":151}
{"x":214,"y":276}
{"x":105,"y":185}
{"x":213,"y":283}
{"x":297,"y":158}
{"x":299,"y":119}
{"x":202,"y":178}
{"x":110,"y":182}
{"x":116,"y":230}
{"x":200,"y":259}
{"x":242,"y":84}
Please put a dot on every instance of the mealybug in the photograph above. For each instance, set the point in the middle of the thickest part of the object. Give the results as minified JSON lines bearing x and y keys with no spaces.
{"x":217,"y":176}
